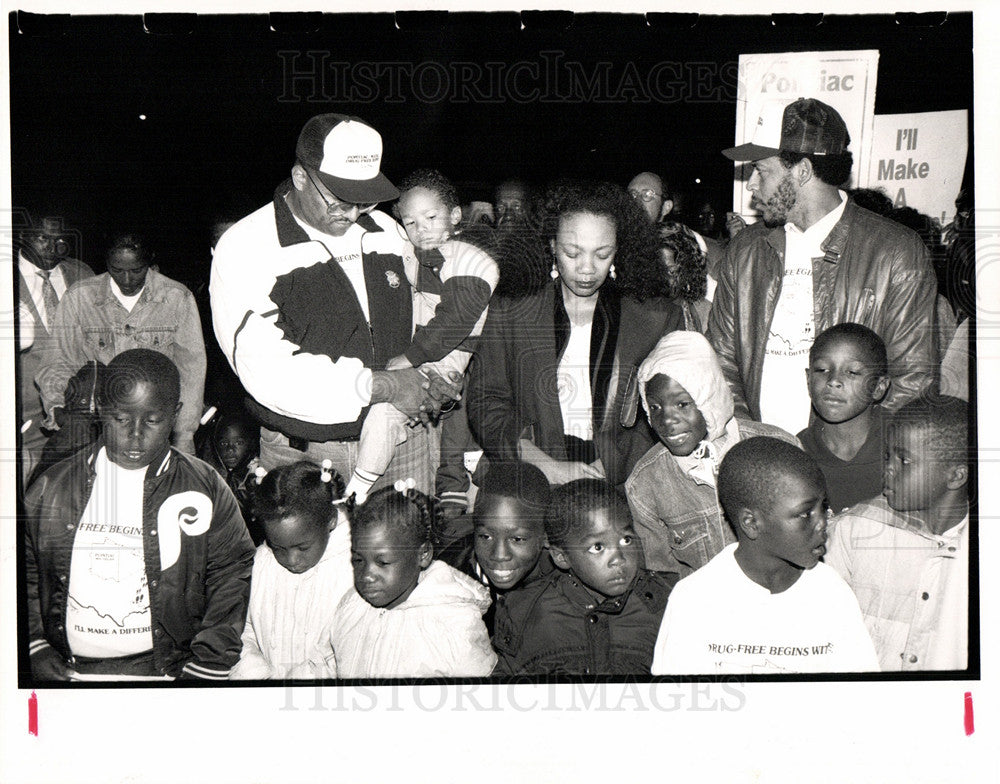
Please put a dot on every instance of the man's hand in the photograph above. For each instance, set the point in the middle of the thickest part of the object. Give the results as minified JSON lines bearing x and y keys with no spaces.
{"x":444,"y":391}
{"x":734,"y":223}
{"x":559,"y":472}
{"x":418,"y":395}
{"x":48,"y":665}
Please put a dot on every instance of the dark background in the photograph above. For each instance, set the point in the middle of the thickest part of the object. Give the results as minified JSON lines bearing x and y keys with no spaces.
{"x":222,"y":117}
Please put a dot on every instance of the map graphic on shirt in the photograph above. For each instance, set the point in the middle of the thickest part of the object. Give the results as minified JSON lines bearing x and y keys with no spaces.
{"x":108,"y":612}
{"x":784,"y":396}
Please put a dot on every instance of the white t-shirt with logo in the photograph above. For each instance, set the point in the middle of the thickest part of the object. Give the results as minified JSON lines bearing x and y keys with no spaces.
{"x":784,"y":395}
{"x":107,"y":613}
{"x":346,"y":251}
{"x":719,"y":621}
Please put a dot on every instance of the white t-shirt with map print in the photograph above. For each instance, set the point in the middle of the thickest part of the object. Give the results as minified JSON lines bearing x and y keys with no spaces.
{"x":719,"y":621}
{"x":784,"y":396}
{"x":107,"y":614}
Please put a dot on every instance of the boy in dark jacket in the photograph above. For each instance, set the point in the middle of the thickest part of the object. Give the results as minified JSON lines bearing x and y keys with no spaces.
{"x":600,"y":612}
{"x":137,"y":559}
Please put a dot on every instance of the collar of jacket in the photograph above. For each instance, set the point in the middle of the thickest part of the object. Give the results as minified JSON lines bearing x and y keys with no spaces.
{"x":579,"y":595}
{"x":603,"y":341}
{"x":152,"y":290}
{"x":832,"y":246}
{"x":289,"y":230}
{"x":153,"y":470}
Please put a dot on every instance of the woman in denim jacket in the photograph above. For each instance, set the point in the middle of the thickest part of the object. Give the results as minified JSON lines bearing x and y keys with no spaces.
{"x":129,"y":306}
{"x":671,"y":490}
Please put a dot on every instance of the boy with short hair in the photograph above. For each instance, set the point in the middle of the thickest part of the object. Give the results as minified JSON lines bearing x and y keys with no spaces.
{"x":906,"y":555}
{"x":766,"y":604}
{"x":137,"y":560}
{"x":847,"y":377}
{"x":599,"y":612}
{"x":506,"y":549}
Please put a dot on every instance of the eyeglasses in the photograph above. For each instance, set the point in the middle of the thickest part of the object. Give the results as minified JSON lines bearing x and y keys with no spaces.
{"x":646,"y":194}
{"x":334,"y":207}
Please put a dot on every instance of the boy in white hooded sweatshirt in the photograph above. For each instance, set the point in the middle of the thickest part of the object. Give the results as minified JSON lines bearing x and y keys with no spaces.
{"x":672,"y":489}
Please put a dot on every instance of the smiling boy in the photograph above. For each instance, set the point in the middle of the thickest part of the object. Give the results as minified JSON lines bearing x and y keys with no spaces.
{"x":766,"y":604}
{"x":137,"y":559}
{"x":599,"y":612}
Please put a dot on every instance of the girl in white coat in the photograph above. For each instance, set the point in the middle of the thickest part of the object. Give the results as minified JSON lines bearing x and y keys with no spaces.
{"x":408,"y":616}
{"x":299,"y":575}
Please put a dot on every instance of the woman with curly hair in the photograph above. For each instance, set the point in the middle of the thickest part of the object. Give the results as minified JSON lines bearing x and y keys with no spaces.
{"x":558,"y":357}
{"x":688,"y":273}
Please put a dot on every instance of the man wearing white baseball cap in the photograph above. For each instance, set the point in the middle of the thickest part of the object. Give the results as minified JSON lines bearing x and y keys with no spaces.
{"x":815,"y":260}
{"x":310,"y":299}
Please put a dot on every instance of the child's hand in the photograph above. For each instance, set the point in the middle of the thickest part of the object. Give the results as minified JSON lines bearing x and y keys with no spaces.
{"x":48,"y":665}
{"x":398,"y":363}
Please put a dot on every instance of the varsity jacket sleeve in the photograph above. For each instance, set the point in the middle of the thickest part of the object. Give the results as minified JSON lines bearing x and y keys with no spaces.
{"x":909,"y":329}
{"x":36,"y":630}
{"x":276,"y":373}
{"x":721,"y":332}
{"x":465,"y":294}
{"x":216,"y":646}
{"x":189,"y":356}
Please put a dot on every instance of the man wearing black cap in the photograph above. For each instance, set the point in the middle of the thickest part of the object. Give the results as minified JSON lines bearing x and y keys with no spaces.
{"x":310,"y":300}
{"x":815,"y":260}
{"x":46,"y":271}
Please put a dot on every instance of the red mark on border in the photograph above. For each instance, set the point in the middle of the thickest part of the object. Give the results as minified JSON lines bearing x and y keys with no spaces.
{"x":33,"y":715}
{"x":970,"y":726}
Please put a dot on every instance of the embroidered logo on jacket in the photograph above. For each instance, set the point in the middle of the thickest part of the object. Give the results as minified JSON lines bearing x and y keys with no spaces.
{"x":393,"y":279}
{"x":190,"y":513}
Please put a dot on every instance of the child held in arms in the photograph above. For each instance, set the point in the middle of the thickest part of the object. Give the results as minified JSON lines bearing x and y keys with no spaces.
{"x":452,"y":284}
{"x":137,"y":558}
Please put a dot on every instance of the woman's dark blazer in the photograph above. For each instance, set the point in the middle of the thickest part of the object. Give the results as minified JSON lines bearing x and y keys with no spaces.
{"x":512,"y":390}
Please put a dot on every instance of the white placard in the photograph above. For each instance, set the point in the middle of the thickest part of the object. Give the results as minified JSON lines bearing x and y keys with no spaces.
{"x":919,"y":160}
{"x":844,"y":80}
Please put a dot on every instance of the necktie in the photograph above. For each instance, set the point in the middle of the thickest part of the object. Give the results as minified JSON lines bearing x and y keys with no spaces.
{"x":49,"y":296}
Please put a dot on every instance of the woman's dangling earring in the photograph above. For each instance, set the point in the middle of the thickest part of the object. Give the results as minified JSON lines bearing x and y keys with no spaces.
{"x":611,"y":272}
{"x":554,"y":272}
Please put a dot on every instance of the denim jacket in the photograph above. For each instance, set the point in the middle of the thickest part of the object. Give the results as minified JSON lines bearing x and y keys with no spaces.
{"x":677,"y":516}
{"x":91,"y":323}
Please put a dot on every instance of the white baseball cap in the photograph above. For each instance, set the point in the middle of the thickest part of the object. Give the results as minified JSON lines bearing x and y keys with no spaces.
{"x":346,"y":154}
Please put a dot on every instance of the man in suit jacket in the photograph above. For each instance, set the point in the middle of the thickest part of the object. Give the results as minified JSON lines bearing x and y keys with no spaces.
{"x":44,"y":273}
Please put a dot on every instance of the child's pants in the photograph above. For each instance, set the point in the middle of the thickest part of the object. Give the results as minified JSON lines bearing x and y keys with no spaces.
{"x":385,"y":428}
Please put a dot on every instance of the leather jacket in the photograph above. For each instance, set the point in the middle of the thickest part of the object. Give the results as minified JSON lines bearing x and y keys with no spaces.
{"x":875,"y":272}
